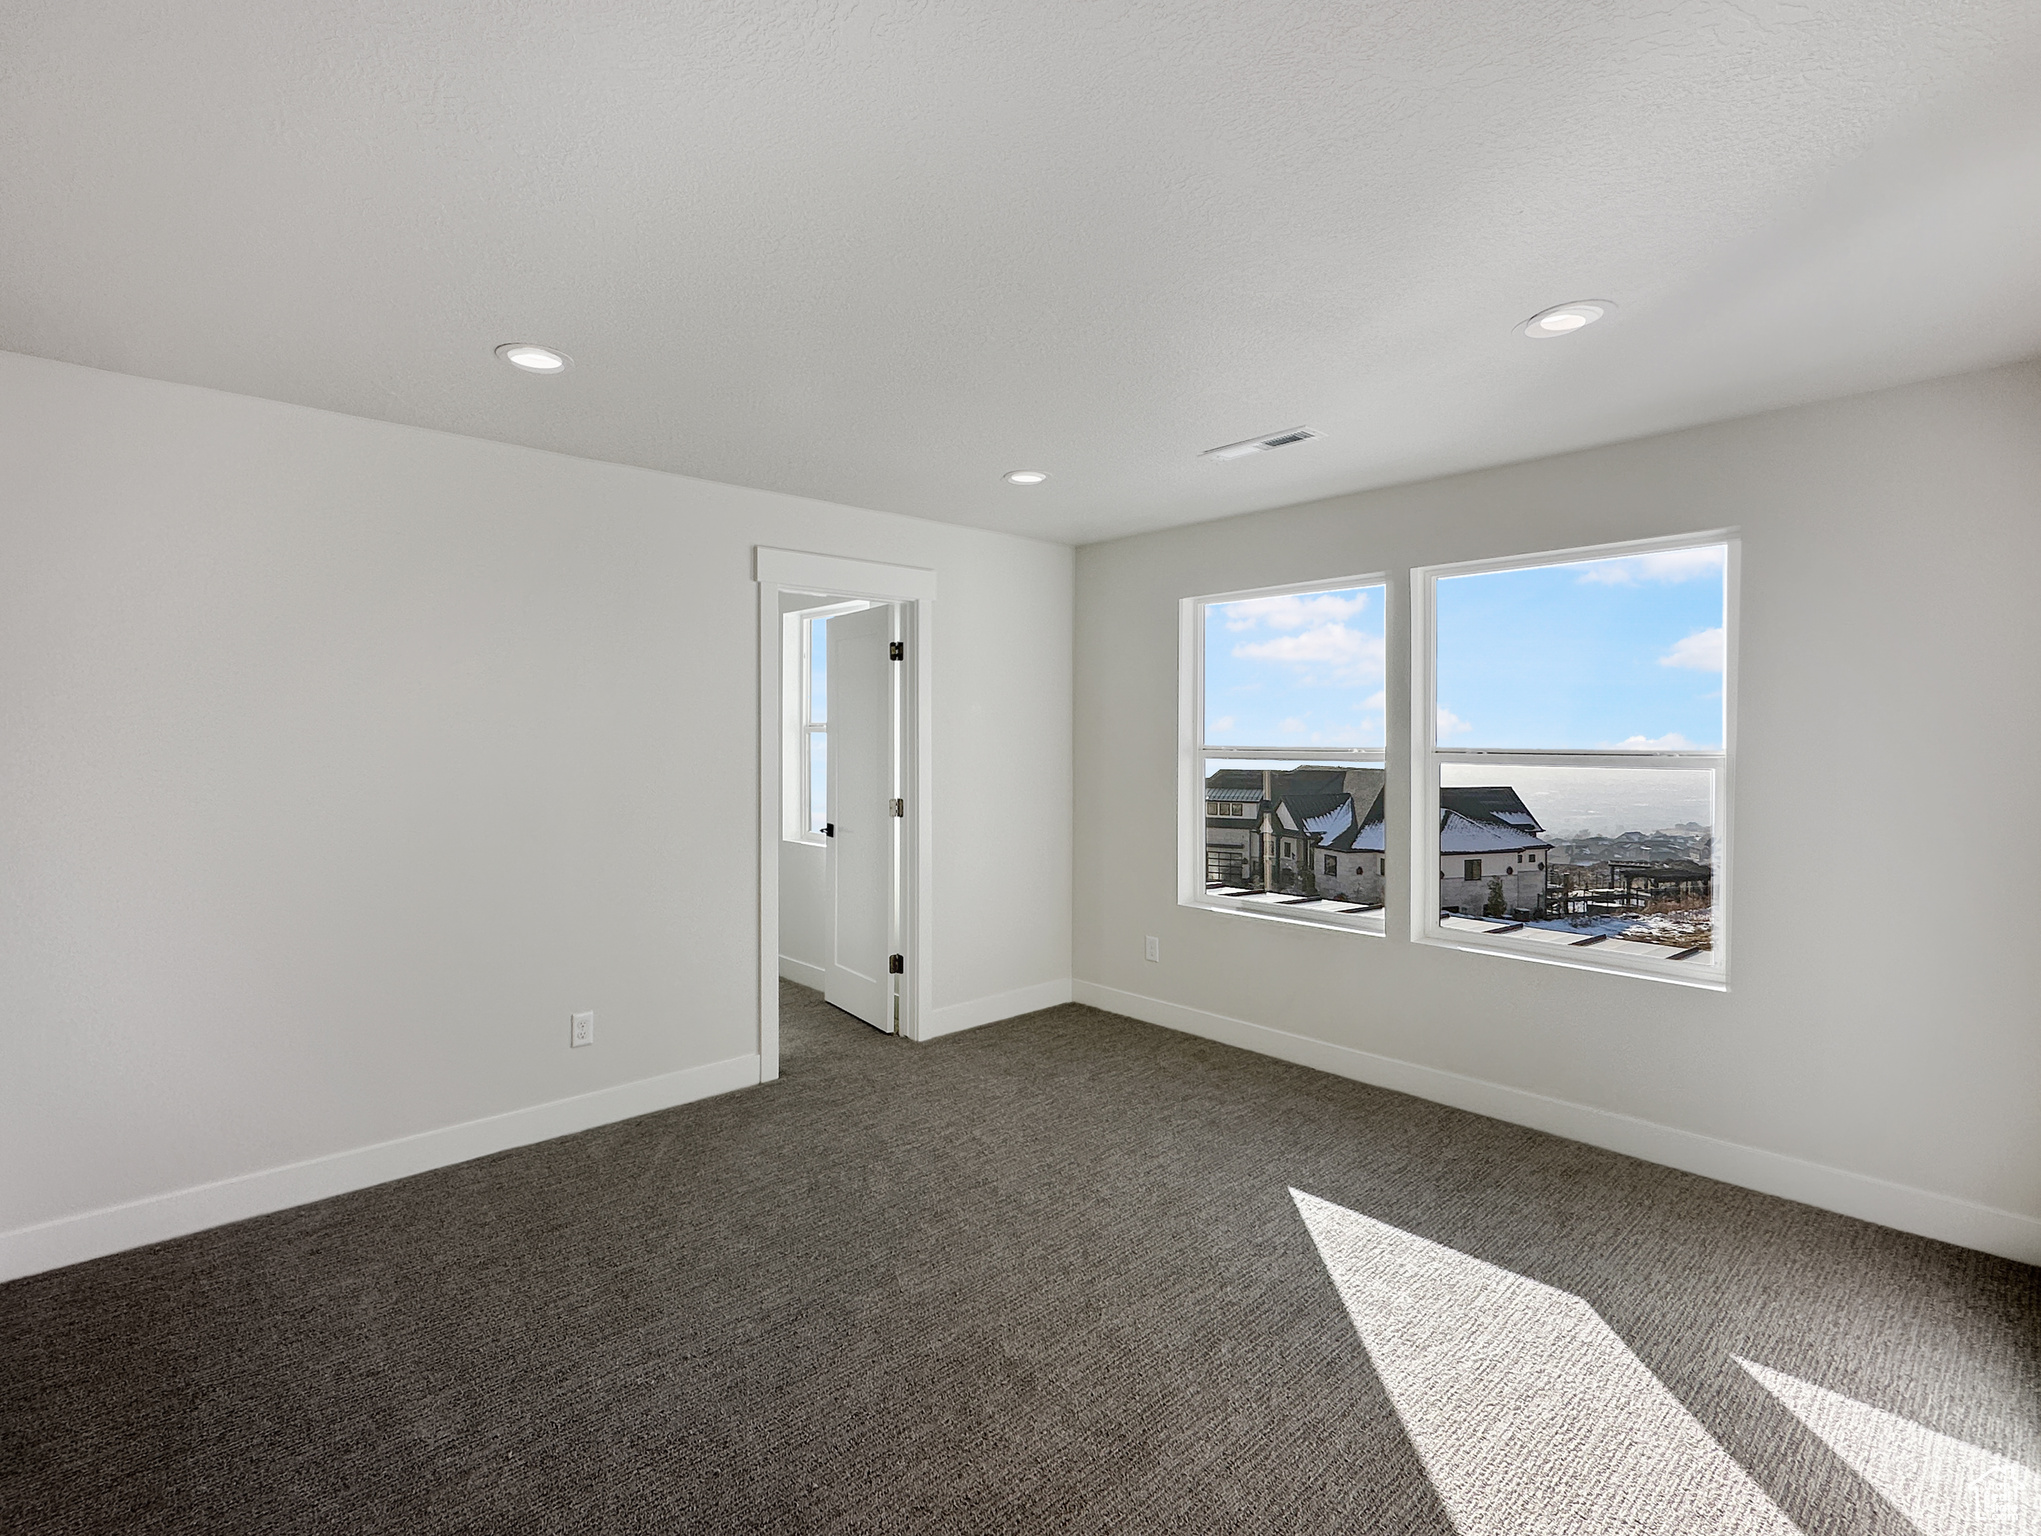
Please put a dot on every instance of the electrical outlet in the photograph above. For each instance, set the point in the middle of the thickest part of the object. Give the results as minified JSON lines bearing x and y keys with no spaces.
{"x":584,"y":1030}
{"x":1154,"y":947}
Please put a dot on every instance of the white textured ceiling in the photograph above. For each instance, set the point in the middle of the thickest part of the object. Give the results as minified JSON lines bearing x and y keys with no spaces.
{"x":881,"y":252}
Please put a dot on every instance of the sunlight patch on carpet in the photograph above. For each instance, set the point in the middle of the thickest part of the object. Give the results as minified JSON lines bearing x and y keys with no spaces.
{"x":1531,"y":1416}
{"x":1945,"y":1486}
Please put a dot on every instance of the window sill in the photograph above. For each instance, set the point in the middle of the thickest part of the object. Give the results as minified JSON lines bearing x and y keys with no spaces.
{"x":1338,"y":916}
{"x":1548,"y":946}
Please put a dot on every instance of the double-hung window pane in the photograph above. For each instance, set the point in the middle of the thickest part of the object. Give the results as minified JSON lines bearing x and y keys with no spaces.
{"x":816,"y":723}
{"x":1288,"y":737}
{"x":1579,"y":756}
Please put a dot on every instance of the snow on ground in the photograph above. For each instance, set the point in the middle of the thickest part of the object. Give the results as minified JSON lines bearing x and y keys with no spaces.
{"x":1684,"y":929}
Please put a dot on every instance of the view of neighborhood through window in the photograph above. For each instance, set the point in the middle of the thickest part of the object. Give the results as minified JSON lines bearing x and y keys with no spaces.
{"x":1579,"y":753}
{"x":1291,"y":741}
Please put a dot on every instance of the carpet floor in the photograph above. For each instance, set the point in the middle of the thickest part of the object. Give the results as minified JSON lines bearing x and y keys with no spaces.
{"x":1044,"y":1276}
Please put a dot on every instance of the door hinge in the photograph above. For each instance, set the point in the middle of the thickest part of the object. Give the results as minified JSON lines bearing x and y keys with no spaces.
{"x":829,"y":829}
{"x":896,"y":965}
{"x":897,"y":651}
{"x":899,"y":807}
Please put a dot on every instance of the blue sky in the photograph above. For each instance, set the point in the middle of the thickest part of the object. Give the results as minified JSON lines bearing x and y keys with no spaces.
{"x":1299,"y":671}
{"x":1606,"y":653}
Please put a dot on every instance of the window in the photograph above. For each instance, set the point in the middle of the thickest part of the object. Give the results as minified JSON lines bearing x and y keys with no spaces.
{"x":1283,"y":752}
{"x":805,"y":682}
{"x":1576,"y":713}
{"x":815,"y":722}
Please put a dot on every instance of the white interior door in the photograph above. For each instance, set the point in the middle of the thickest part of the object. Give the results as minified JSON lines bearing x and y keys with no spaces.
{"x":861,"y":790}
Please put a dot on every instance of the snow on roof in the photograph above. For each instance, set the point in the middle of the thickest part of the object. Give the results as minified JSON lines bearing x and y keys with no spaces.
{"x":1463,"y":834}
{"x":1333,"y":822}
{"x":1371,"y":836}
{"x":1487,"y":802}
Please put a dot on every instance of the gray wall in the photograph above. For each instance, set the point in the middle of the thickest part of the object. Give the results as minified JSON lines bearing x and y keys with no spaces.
{"x":1881,"y":1025}
{"x":343,"y":761}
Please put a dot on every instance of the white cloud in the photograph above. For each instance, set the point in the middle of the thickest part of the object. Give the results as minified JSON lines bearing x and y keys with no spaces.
{"x":1373,"y":701}
{"x":1223,"y":723}
{"x":1294,"y":610}
{"x":1292,"y":727}
{"x":1451,"y":724}
{"x":1671,"y":741}
{"x":1352,"y":656}
{"x":1667,"y":565}
{"x":1705,"y":650}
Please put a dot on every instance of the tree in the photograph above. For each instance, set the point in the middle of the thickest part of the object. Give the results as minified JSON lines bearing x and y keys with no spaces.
{"x":1496,"y":906}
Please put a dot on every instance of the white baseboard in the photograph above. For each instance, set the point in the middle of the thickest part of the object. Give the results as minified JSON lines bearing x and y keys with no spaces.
{"x":951,"y":1017}
{"x":1948,"y":1218}
{"x":800,"y":970}
{"x":92,"y":1234}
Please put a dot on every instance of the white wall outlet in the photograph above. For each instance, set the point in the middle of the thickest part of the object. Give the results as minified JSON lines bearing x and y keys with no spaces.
{"x":1154,"y":947}
{"x":584,"y":1030}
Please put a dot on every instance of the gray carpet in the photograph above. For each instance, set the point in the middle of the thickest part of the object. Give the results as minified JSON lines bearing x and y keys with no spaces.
{"x":1042,"y":1276}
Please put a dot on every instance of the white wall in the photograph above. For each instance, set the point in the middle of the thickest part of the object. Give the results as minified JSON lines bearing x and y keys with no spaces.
{"x":342,"y":761}
{"x":1879,"y":1050}
{"x":804,"y":912}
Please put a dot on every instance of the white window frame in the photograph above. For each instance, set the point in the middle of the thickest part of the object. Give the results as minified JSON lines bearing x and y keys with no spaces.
{"x":1427,"y":756}
{"x":1193,"y":754}
{"x":798,"y":723}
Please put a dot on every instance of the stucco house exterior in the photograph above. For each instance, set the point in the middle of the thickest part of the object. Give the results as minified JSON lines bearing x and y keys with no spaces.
{"x":1492,"y":854}
{"x":1265,"y":827}
{"x":1322,"y":831}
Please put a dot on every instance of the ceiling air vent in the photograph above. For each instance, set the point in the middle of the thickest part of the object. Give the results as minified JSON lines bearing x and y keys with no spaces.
{"x":1261,"y":444}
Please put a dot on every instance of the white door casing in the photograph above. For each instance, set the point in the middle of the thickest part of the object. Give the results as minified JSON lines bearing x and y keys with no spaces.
{"x":861,"y":788}
{"x":912,"y":591}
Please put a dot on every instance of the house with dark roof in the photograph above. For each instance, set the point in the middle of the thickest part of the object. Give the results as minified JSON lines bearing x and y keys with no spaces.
{"x":1353,"y":861}
{"x":1323,"y":831}
{"x":1270,"y":829}
{"x":1493,"y":855}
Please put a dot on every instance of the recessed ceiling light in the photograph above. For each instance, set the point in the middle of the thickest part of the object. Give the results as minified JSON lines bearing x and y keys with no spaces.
{"x":1025,"y":477}
{"x":1565,"y":319}
{"x":533,"y":358}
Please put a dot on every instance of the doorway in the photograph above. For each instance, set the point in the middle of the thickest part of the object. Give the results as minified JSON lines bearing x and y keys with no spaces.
{"x":839,"y":849}
{"x":843,"y":649}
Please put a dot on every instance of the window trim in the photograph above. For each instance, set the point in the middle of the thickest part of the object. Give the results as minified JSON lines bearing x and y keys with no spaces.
{"x":1192,"y":754}
{"x":1426,"y":757}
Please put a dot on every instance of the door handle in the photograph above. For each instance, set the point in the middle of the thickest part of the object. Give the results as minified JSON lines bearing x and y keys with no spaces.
{"x":829,"y":829}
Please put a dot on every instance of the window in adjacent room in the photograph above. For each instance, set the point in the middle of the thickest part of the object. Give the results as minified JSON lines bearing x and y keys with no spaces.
{"x":1283,"y":752}
{"x":815,"y":725}
{"x":806,"y":764}
{"x":1575,"y":734}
